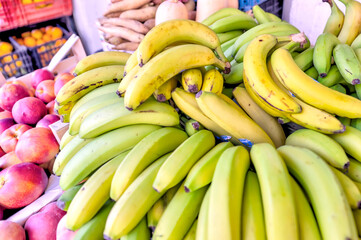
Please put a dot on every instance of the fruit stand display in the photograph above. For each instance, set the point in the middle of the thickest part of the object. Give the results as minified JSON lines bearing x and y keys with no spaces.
{"x":233,"y":127}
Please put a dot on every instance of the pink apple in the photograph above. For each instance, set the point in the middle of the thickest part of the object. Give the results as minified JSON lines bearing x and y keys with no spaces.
{"x":5,"y":124}
{"x":60,"y":80}
{"x":37,"y":145}
{"x":9,"y":159}
{"x":45,"y":91}
{"x":6,"y":114}
{"x":40,"y":75}
{"x":50,"y":107}
{"x":9,"y":138}
{"x":47,"y":120}
{"x":2,"y":153}
{"x":21,"y":184}
{"x":10,"y":93}
{"x":29,"y":110}
{"x":11,"y":231}
{"x":63,"y":233}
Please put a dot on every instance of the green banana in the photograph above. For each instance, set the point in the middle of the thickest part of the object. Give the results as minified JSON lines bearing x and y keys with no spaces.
{"x":133,"y":205}
{"x":202,"y":225}
{"x":356,"y":44}
{"x":93,"y":230}
{"x":155,"y":213}
{"x":335,"y":20}
{"x":322,"y":54}
{"x":356,"y":123}
{"x":338,"y":87}
{"x":350,"y":140}
{"x":150,"y":148}
{"x":226,"y":36}
{"x":101,"y":150}
{"x":100,"y":59}
{"x":65,"y":139}
{"x":140,"y":232}
{"x":357,"y":216}
{"x":304,"y":60}
{"x":277,"y":197}
{"x":191,"y":234}
{"x":116,"y":115}
{"x":226,"y":45}
{"x":328,"y":200}
{"x":226,"y":190}
{"x":233,"y":22}
{"x":312,"y":72}
{"x":202,"y":172}
{"x":273,"y":17}
{"x":176,"y":167}
{"x":192,"y":80}
{"x":333,"y":77}
{"x":354,"y":170}
{"x":67,"y":196}
{"x":192,"y":126}
{"x":260,"y":15}
{"x":252,"y":221}
{"x":236,"y":74}
{"x":351,"y":24}
{"x":347,"y":63}
{"x":222,"y":13}
{"x":322,"y":144}
{"x":93,"y":194}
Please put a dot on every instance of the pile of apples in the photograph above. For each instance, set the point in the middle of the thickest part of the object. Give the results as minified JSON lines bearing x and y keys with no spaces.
{"x":27,"y":149}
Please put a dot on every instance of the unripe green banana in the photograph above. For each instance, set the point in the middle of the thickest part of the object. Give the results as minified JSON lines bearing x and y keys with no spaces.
{"x":212,"y":81}
{"x":140,"y":231}
{"x":236,"y":74}
{"x":191,"y":234}
{"x":65,"y":139}
{"x":192,"y":126}
{"x":233,"y":22}
{"x":222,"y":13}
{"x":192,"y":80}
{"x":225,"y":46}
{"x":357,"y":216}
{"x":350,"y":140}
{"x":226,"y":36}
{"x":335,"y":20}
{"x":304,"y":60}
{"x":202,"y":225}
{"x":333,"y":77}
{"x":260,"y":15}
{"x":356,"y":123}
{"x":357,"y":42}
{"x":339,"y":88}
{"x":312,"y":72}
{"x":67,"y":196}
{"x":347,"y":63}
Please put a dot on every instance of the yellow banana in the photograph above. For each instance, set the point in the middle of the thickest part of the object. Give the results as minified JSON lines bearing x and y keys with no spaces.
{"x":357,"y":216}
{"x":191,"y":234}
{"x":335,"y":20}
{"x":202,"y":226}
{"x":131,"y":62}
{"x":64,"y":111}
{"x":192,"y":80}
{"x":354,"y":170}
{"x":123,"y":85}
{"x":352,"y":22}
{"x":213,"y":81}
{"x":164,"y":92}
{"x":350,"y":140}
{"x":155,"y":213}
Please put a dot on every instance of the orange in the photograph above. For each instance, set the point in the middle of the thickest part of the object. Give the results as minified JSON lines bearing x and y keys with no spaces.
{"x":46,"y":37}
{"x":20,"y":41}
{"x":39,"y":42}
{"x":48,"y":29}
{"x":41,"y":49}
{"x":36,"y":33}
{"x":30,"y":42}
{"x":19,"y":63}
{"x":25,"y":34}
{"x":6,"y":47}
{"x":42,"y":29}
{"x":56,"y":33}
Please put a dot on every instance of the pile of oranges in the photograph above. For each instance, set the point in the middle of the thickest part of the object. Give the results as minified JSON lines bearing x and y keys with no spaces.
{"x":8,"y":60}
{"x":39,"y":36}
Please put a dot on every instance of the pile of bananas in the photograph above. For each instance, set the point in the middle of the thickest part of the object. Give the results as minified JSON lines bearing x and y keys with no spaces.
{"x":174,"y":141}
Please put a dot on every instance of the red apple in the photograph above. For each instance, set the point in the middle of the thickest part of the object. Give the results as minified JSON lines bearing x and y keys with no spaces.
{"x":60,"y":80}
{"x":50,"y":107}
{"x":47,"y":120}
{"x":37,"y":145}
{"x":2,"y":153}
{"x":11,"y":93}
{"x":9,"y":138}
{"x":21,"y":184}
{"x":6,"y":114}
{"x":63,"y":233}
{"x":29,"y":110}
{"x":9,"y":159}
{"x":40,"y":75}
{"x":11,"y":231}
{"x":45,"y":91}
{"x":5,"y":124}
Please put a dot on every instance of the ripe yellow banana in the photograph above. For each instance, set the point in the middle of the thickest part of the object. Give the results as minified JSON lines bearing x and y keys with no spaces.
{"x":311,"y":91}
{"x":354,"y":170}
{"x":155,"y":213}
{"x":123,"y":85}
{"x":335,"y":20}
{"x":166,"y":33}
{"x":226,"y":191}
{"x":328,"y":200}
{"x":357,"y":216}
{"x":131,"y":62}
{"x":350,"y":140}
{"x":202,"y":226}
{"x":352,"y":22}
{"x":100,"y":59}
{"x":213,"y":81}
{"x":154,"y":74}
{"x":164,"y":92}
{"x":64,"y":111}
{"x":192,"y":80}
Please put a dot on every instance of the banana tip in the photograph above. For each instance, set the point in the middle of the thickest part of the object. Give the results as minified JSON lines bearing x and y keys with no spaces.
{"x":323,"y":75}
{"x":199,"y":94}
{"x":346,"y":166}
{"x":156,"y":190}
{"x":359,"y":205}
{"x":195,"y":125}
{"x":227,"y":68}
{"x":161,"y":98}
{"x":107,"y":237}
{"x":355,"y":81}
{"x":186,"y":189}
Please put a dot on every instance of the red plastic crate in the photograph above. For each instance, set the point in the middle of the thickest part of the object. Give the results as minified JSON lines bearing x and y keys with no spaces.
{"x":11,"y":15}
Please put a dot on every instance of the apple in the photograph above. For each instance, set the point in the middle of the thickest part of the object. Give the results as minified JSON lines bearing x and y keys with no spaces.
{"x":37,"y":145}
{"x":30,"y":89}
{"x":43,"y":225}
{"x":60,"y":80}
{"x":6,"y":114}
{"x":63,"y":233}
{"x":11,"y":231}
{"x":5,"y":124}
{"x":29,"y":110}
{"x":50,"y":107}
{"x":1,"y":212}
{"x":10,"y":94}
{"x":9,"y":138}
{"x":40,"y":75}
{"x":2,"y":153}
{"x":21,"y":184}
{"x":45,"y":91}
{"x":47,"y":120}
{"x":9,"y":159}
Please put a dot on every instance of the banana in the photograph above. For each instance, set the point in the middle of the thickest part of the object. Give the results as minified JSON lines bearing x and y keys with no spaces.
{"x":347,"y":63}
{"x":86,"y":82}
{"x":154,"y":74}
{"x":226,"y":190}
{"x":164,"y":92}
{"x":354,"y":170}
{"x":116,"y":115}
{"x":352,"y":192}
{"x":155,"y":213}
{"x":231,"y":119}
{"x":277,"y":197}
{"x":166,"y":33}
{"x":311,"y":91}
{"x":226,"y":45}
{"x":64,"y":111}
{"x":333,"y":77}
{"x":258,"y":77}
{"x":358,"y":185}
{"x":304,"y":60}
{"x":93,"y":194}
{"x":226,"y":36}
{"x":236,"y":74}
{"x":192,"y":80}
{"x":322,"y":144}
{"x":213,"y":81}
{"x":328,"y":200}
{"x":260,"y":15}
{"x":356,"y":123}
{"x":123,"y":85}
{"x":140,"y":231}
{"x":192,"y":126}
{"x":93,"y":230}
{"x":187,"y":103}
{"x":149,"y":149}
{"x":322,"y":54}
{"x":312,"y":72}
{"x":356,"y":43}
{"x":131,"y":62}
{"x":179,"y":215}
{"x":350,"y":140}
{"x":307,"y":224}
{"x":338,"y":87}
{"x":65,"y":155}
{"x":357,"y":217}
{"x":67,"y":196}
{"x":233,"y":22}
{"x":274,"y":28}
{"x":273,"y":17}
{"x":65,"y":139}
{"x":77,"y":117}
{"x":101,"y":150}
{"x":133,"y":205}
{"x":358,"y":91}
{"x":191,"y":234}
{"x":222,"y":13}
{"x":227,"y":53}
{"x":252,"y":220}
{"x":202,"y":225}
{"x":100,"y":59}
{"x":352,"y":22}
{"x":182,"y":159}
{"x":268,"y":123}
{"x":335,"y":20}
{"x":202,"y":172}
